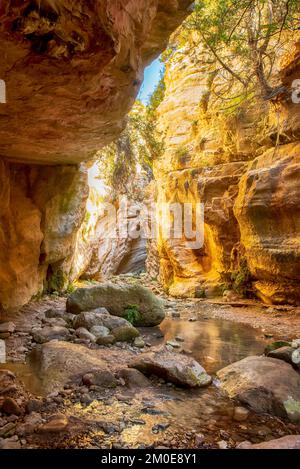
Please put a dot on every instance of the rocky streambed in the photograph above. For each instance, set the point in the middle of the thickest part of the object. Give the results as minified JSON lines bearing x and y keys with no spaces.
{"x":90,"y":379}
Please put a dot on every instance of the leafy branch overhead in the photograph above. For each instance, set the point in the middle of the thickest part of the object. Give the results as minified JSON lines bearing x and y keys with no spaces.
{"x":136,"y":147}
{"x":244,"y":38}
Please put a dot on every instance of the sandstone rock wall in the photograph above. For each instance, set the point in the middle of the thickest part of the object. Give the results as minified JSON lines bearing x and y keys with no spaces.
{"x":42,"y":209}
{"x":72,"y":71}
{"x":247,"y":177}
{"x":111,"y":254}
{"x":267,"y":207}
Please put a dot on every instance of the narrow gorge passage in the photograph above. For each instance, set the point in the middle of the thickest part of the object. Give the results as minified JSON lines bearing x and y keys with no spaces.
{"x":149,"y":225}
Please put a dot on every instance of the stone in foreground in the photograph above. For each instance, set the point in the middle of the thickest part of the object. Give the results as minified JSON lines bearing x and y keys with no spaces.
{"x":59,"y":362}
{"x":173,"y":367}
{"x":56,"y":424}
{"x":48,"y":333}
{"x":107,"y":329}
{"x":286,"y":442}
{"x":285,"y":354}
{"x":264,"y":384}
{"x":116,"y":299}
{"x":133,"y":378}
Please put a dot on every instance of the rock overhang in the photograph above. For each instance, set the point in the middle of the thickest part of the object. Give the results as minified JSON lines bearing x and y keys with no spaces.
{"x":72,"y":71}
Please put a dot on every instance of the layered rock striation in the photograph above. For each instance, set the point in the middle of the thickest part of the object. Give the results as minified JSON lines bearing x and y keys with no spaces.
{"x":72,"y":70}
{"x":244,"y":168}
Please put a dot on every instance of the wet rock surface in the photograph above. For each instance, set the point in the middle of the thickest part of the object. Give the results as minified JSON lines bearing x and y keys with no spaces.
{"x":109,"y":404}
{"x":173,"y":367}
{"x":264,"y":384}
{"x":58,"y":362}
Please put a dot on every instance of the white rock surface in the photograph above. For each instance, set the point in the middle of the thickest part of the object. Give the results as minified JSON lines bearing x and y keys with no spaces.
{"x":2,"y":351}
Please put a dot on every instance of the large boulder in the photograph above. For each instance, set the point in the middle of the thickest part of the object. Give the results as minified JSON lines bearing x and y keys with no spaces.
{"x":116,"y":299}
{"x":174,"y":367}
{"x":264,"y":384}
{"x":57,"y":363}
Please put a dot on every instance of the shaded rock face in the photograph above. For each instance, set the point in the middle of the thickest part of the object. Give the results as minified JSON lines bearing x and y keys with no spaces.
{"x":72,"y":71}
{"x":249,"y":188}
{"x":111,"y":255}
{"x":264,"y":384}
{"x":20,"y":239}
{"x":116,"y":299}
{"x":267,"y":209}
{"x":41,"y":210}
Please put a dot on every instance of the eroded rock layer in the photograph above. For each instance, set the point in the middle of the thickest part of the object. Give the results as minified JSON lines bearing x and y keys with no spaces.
{"x":41,"y":211}
{"x":72,"y":71}
{"x":246,"y":175}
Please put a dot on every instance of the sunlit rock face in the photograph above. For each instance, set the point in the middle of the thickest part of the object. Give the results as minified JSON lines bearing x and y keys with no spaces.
{"x":72,"y":71}
{"x":187,"y":271}
{"x":112,"y":254}
{"x":100,"y":250}
{"x":250,"y":189}
{"x":198,"y":166}
{"x":267,"y":207}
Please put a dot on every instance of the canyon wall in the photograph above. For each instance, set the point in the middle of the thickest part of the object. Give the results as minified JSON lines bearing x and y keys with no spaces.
{"x":41,"y":210}
{"x":100,"y":251}
{"x":72,"y":71}
{"x":244,"y":168}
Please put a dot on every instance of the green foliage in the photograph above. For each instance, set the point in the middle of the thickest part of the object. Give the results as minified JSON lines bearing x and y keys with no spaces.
{"x":70,"y":288}
{"x":276,"y":345}
{"x":158,"y":94}
{"x":238,"y":280}
{"x":182,"y":153}
{"x":136,"y":147}
{"x":56,"y":282}
{"x":242,"y":39}
{"x":200,"y":293}
{"x":241,"y":278}
{"x":132,"y":314}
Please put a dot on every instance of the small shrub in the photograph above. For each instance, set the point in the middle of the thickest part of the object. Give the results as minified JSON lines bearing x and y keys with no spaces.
{"x":200,"y":293}
{"x":132,"y":314}
{"x":238,"y":281}
{"x":241,"y":279}
{"x":182,"y":152}
{"x":70,"y":288}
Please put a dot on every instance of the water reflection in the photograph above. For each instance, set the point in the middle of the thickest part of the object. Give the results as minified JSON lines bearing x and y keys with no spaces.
{"x":215,"y":343}
{"x":27,"y":376}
